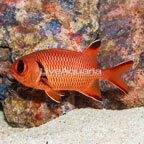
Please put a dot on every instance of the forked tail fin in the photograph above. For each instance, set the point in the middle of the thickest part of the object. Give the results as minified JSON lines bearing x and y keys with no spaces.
{"x":114,"y":74}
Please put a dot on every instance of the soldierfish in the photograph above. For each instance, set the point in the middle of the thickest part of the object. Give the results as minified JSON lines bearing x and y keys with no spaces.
{"x":53,"y":70}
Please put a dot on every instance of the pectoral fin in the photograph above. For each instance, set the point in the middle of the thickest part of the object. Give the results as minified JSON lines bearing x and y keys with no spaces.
{"x":61,"y":93}
{"x":92,"y":90}
{"x":53,"y":95}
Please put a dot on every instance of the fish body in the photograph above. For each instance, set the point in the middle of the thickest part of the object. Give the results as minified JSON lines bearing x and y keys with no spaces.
{"x":53,"y":70}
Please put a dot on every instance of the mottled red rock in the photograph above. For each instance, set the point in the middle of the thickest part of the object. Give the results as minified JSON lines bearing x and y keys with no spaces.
{"x":25,"y":107}
{"x":122,"y":33}
{"x":32,"y":25}
{"x":28,"y":26}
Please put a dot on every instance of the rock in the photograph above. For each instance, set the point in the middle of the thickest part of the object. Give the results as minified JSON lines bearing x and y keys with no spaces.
{"x":26,"y":107}
{"x":5,"y":63}
{"x":122,"y":32}
{"x":31,"y":25}
{"x":28,"y":26}
{"x":4,"y":86}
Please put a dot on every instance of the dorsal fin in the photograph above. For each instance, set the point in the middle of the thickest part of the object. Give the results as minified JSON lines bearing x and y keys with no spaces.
{"x":92,"y":51}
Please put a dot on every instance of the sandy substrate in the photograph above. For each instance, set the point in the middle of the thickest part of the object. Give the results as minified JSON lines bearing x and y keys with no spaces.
{"x":83,"y":126}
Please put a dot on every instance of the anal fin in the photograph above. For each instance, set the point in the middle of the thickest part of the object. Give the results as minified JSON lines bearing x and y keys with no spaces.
{"x":92,"y":90}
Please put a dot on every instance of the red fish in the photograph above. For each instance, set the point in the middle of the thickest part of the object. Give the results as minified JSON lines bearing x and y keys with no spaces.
{"x":53,"y":70}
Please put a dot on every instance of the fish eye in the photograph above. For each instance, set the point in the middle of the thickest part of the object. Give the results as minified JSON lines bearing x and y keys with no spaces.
{"x":20,"y":66}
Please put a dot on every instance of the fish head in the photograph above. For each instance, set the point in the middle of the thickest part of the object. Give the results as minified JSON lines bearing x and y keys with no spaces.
{"x":26,"y":71}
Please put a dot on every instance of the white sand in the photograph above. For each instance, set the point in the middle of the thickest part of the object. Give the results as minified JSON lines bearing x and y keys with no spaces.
{"x":83,"y":126}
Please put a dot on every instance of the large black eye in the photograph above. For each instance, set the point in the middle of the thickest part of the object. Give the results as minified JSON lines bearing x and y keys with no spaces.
{"x":20,"y":66}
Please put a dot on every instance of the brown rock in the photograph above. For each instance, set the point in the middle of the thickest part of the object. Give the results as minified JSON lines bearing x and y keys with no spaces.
{"x":122,"y":32}
{"x":25,"y":107}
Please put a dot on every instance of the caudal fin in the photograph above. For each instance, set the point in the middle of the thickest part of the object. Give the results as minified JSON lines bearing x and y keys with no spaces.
{"x":114,"y":74}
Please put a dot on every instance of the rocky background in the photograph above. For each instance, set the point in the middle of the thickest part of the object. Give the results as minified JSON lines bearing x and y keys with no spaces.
{"x":122,"y":32}
{"x":28,"y":26}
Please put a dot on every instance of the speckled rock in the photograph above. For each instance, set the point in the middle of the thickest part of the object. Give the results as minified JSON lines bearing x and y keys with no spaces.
{"x":34,"y":25}
{"x":5,"y":63}
{"x":122,"y":33}
{"x":25,"y":107}
{"x":28,"y":26}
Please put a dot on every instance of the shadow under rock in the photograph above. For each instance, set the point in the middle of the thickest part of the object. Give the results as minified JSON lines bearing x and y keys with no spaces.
{"x":112,"y":99}
{"x":77,"y":99}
